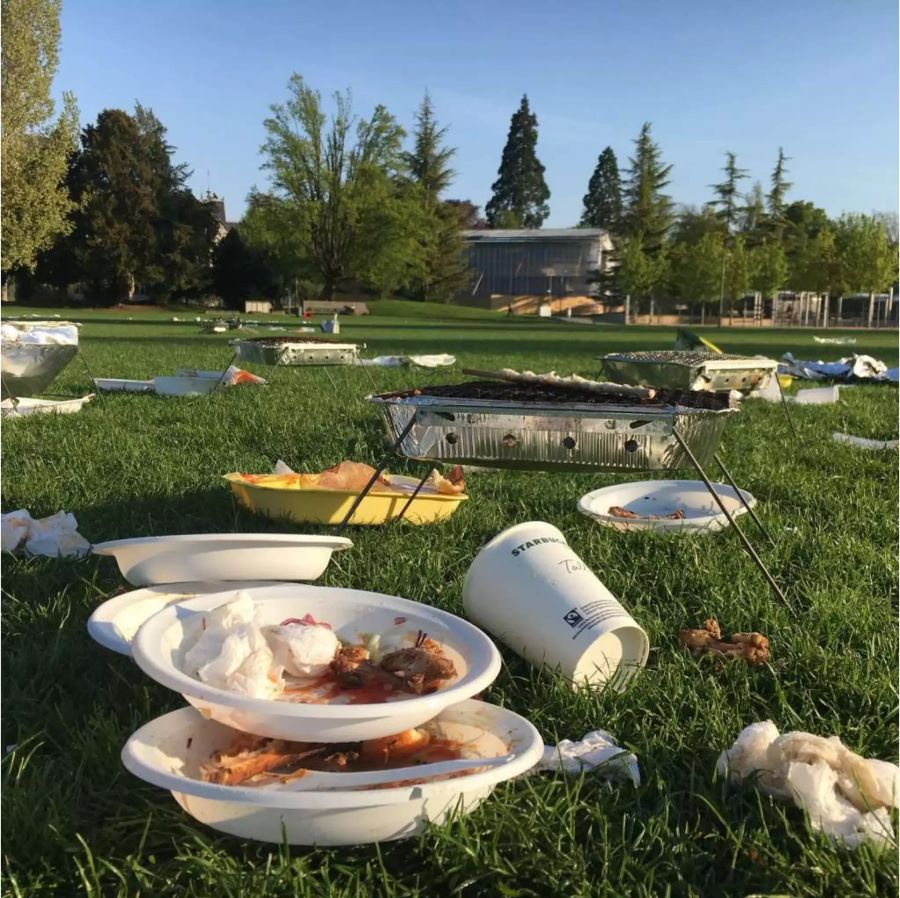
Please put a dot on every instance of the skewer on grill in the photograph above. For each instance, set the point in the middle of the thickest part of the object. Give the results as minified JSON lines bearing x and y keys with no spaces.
{"x":551,"y":380}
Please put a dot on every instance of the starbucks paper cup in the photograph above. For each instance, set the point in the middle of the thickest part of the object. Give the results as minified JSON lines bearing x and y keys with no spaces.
{"x":529,"y":589}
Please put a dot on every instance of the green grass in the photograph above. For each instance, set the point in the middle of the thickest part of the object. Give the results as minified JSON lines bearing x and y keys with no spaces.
{"x":77,"y":823}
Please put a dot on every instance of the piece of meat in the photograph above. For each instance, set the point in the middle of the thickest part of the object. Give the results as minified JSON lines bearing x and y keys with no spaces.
{"x":248,"y":756}
{"x":391,"y":749}
{"x":618,"y":512}
{"x":420,"y":670}
{"x":351,"y":667}
{"x":751,"y":647}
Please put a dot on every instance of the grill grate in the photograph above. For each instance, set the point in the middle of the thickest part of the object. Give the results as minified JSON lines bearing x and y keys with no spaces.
{"x":672,"y":357}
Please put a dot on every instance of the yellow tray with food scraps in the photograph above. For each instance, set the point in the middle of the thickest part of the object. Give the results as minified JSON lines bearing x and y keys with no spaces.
{"x":326,"y":498}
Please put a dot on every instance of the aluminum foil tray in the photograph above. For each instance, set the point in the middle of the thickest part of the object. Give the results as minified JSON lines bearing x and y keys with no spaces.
{"x":297,"y":351}
{"x":510,"y":426}
{"x":689,"y":370}
{"x":29,"y":368}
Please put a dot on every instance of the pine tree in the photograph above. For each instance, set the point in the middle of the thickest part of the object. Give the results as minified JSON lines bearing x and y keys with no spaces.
{"x":780,"y":187}
{"x":726,"y":203}
{"x":429,"y":163}
{"x":33,"y":147}
{"x":648,"y":211}
{"x":520,"y":193}
{"x":603,"y":201}
{"x":444,"y":270}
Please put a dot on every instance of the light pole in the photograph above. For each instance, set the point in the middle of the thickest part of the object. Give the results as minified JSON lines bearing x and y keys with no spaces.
{"x":722,"y":287}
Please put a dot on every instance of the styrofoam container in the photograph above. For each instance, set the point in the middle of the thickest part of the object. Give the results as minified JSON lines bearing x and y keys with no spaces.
{"x":161,"y":642}
{"x":661,"y":497}
{"x":175,"y":385}
{"x":123,"y":385}
{"x":169,"y":750}
{"x":529,"y":589}
{"x":818,"y":395}
{"x":114,"y":623}
{"x":149,"y":560}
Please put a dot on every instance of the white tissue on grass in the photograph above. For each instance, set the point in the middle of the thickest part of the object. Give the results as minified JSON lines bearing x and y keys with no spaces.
{"x":303,"y":650}
{"x":846,"y":796}
{"x":863,"y":443}
{"x":53,"y":536}
{"x":597,"y":751}
{"x":282,"y":468}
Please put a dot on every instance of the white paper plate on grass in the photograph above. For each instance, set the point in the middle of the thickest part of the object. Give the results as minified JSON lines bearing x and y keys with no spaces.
{"x":163,"y":640}
{"x":149,"y":560}
{"x":168,"y":752}
{"x":655,"y":499}
{"x":114,"y":623}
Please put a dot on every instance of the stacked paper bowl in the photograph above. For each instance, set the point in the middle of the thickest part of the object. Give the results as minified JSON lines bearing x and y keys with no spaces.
{"x":319,"y":808}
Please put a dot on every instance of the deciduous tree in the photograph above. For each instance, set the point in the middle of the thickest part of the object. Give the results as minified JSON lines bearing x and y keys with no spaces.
{"x":342,"y":188}
{"x":34,"y":146}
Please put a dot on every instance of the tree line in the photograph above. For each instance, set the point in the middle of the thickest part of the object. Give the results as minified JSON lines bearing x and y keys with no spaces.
{"x":355,"y":204}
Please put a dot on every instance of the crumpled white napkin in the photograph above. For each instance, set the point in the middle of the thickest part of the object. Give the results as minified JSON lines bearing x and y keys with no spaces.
{"x":597,"y":751}
{"x":41,"y":333}
{"x":863,"y":443}
{"x":440,"y":360}
{"x":846,"y":796}
{"x":53,"y":536}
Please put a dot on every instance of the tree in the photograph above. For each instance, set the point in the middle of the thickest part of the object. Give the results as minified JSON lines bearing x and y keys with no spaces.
{"x":697,"y":270}
{"x":429,"y":162}
{"x":816,"y":267}
{"x":444,"y":266}
{"x":339,"y":186}
{"x":692,"y":224}
{"x":769,"y":267}
{"x":726,"y":203}
{"x":738,"y":269}
{"x":753,"y":215}
{"x":241,"y":272}
{"x":467,"y":213}
{"x":34,"y":147}
{"x":868,"y":263}
{"x":135,"y":222}
{"x":803,"y":221}
{"x":520,"y":193}
{"x":778,"y":191}
{"x":603,"y":201}
{"x":648,"y":211}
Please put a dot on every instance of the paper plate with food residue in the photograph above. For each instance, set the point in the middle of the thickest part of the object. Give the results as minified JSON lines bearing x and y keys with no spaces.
{"x":325,"y":664}
{"x":174,"y":752}
{"x":665,"y":506}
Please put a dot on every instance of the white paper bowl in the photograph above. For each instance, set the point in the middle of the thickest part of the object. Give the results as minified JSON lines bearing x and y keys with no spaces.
{"x":150,"y":560}
{"x":168,"y":751}
{"x":114,"y":623}
{"x":161,"y":642}
{"x":661,"y":497}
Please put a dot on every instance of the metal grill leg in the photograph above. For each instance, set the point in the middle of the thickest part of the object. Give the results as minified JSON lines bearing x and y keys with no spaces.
{"x":740,"y":496}
{"x":746,"y":542}
{"x":368,"y":373}
{"x":412,"y":498}
{"x":97,"y":391}
{"x":381,"y":466}
{"x":784,"y":405}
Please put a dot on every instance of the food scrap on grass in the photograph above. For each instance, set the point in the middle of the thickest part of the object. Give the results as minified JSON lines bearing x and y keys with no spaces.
{"x":751,"y":647}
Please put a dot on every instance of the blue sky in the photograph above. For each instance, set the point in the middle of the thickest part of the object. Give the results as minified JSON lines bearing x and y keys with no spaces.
{"x":818,"y":77}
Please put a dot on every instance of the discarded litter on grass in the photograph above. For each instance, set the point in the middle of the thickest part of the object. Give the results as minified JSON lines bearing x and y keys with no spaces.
{"x":846,"y":796}
{"x":863,"y":443}
{"x":53,"y":536}
{"x":598,"y":752}
{"x":751,"y":647}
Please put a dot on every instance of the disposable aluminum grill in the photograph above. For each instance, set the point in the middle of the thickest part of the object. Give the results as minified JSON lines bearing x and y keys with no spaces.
{"x":678,"y":370}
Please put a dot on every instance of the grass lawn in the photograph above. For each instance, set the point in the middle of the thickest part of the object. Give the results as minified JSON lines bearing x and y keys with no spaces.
{"x":75,"y":822}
